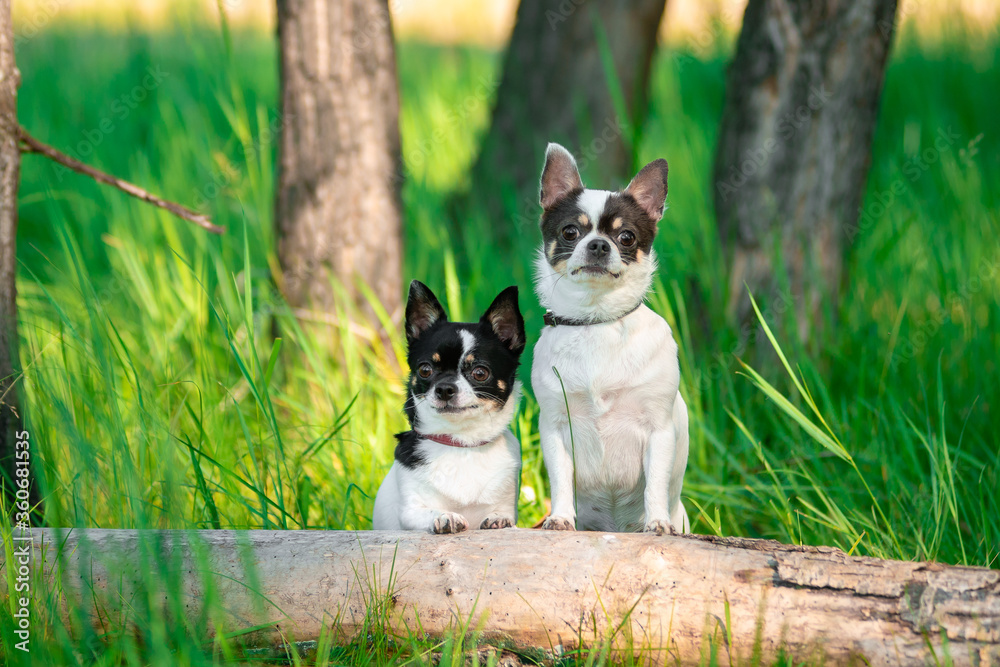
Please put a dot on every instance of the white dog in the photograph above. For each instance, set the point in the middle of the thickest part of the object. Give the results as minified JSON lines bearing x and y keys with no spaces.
{"x":616,"y":461}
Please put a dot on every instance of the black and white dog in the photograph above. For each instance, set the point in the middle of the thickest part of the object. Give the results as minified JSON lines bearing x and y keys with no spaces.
{"x":459,"y":465}
{"x":616,"y":358}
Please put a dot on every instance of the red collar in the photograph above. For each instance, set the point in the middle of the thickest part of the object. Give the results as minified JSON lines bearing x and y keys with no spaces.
{"x":450,"y":441}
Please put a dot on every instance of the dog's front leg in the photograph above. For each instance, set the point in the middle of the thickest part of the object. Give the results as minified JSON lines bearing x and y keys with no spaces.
{"x":657,"y":464}
{"x":432,"y":521}
{"x":559,"y":463}
{"x":504,"y":515}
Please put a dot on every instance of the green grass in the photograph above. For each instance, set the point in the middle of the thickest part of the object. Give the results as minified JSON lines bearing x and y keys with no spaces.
{"x":155,"y":396}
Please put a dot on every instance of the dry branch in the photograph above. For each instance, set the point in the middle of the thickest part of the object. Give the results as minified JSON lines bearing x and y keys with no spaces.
{"x":33,"y":145}
{"x":554,"y":589}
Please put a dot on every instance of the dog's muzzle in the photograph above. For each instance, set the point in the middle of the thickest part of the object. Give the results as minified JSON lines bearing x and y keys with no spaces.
{"x":598,"y":252}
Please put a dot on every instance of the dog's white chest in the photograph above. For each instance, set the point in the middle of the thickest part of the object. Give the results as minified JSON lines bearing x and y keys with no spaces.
{"x":606,"y":368}
{"x":474,"y":483}
{"x":620,"y":380}
{"x":480,"y":476}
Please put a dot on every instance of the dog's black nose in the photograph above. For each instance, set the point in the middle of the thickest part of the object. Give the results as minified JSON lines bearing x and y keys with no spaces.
{"x":598,"y":248}
{"x":445,"y":391}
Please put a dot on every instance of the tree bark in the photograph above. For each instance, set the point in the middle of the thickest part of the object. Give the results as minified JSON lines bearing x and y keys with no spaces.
{"x":337,"y":211}
{"x":554,"y":87}
{"x":10,"y":172}
{"x":802,"y":99}
{"x":663,"y":596}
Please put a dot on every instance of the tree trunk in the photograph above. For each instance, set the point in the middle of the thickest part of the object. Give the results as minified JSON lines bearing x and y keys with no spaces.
{"x":10,"y":170}
{"x":554,"y":590}
{"x":555,"y":88}
{"x":337,"y":212}
{"x":802,"y":98}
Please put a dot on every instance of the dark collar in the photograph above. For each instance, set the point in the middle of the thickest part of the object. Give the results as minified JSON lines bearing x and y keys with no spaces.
{"x":552,"y":320}
{"x":440,"y":438}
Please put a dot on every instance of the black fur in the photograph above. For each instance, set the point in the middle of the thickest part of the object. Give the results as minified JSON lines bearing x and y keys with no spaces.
{"x":620,"y":205}
{"x":422,"y":310}
{"x":638,"y":208}
{"x":406,"y":449}
{"x":499,"y":341}
{"x":564,"y":213}
{"x":634,"y":219}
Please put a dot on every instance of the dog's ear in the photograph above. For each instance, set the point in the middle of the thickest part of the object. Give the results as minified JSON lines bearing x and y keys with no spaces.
{"x":422,"y":310}
{"x":649,"y":188}
{"x":559,"y":177}
{"x":504,"y":317}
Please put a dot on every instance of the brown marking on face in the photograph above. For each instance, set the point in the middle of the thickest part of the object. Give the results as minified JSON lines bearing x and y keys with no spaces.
{"x":560,"y":266}
{"x":413,"y":381}
{"x":583,"y":219}
{"x":616,"y":224}
{"x":436,"y":358}
{"x":552,"y":249}
{"x":639,"y":254}
{"x":502,"y":385}
{"x":469,"y":358}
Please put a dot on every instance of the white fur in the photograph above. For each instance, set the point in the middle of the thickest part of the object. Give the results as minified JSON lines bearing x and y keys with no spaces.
{"x":629,"y":443}
{"x":580,"y":258}
{"x":592,"y":298}
{"x":592,"y":203}
{"x":476,"y":423}
{"x":468,"y":341}
{"x":467,"y":484}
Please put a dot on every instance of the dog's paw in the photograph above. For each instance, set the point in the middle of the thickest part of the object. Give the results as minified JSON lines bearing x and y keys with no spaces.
{"x":450,"y":522}
{"x":557,"y":523}
{"x":495,"y":521}
{"x":660,"y":527}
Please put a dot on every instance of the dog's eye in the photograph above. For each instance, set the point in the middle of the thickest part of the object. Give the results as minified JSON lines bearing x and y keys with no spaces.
{"x":570,"y":233}
{"x":425,"y":370}
{"x":626,"y":238}
{"x":480,"y":374}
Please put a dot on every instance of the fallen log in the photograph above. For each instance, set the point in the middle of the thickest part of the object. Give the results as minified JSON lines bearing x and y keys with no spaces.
{"x":659,"y":596}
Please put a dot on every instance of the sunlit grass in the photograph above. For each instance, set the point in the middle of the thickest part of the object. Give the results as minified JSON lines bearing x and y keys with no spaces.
{"x":157,"y":396}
